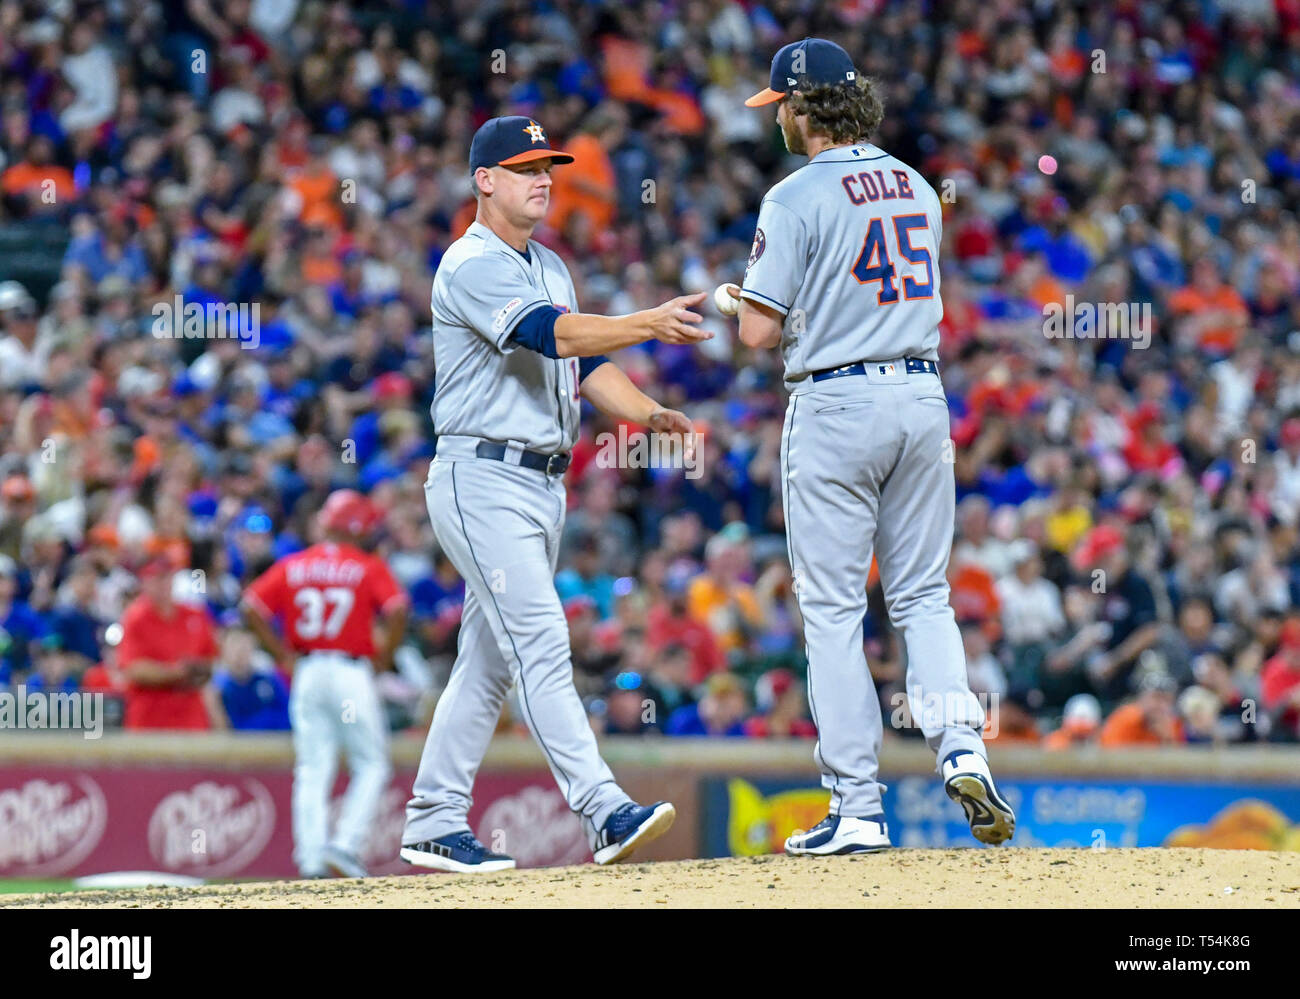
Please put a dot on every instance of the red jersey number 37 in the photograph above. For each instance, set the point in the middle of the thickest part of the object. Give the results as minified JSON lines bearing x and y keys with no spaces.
{"x":322,"y":612}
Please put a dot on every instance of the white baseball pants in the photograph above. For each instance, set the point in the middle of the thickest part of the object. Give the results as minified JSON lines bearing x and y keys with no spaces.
{"x":333,"y":706}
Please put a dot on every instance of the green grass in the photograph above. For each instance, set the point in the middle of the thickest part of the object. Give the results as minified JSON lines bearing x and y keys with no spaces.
{"x":18,"y":886}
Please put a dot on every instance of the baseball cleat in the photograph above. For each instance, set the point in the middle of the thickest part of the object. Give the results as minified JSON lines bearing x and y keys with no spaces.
{"x":458,"y":853}
{"x":630,"y":826}
{"x":967,"y":780}
{"x":342,"y":864}
{"x":840,"y":834}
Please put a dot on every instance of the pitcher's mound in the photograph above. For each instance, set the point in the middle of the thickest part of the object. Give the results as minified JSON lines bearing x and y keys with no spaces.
{"x":914,"y":878}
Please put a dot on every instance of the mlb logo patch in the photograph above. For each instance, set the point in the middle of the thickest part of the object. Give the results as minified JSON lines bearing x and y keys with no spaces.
{"x":886,"y":369}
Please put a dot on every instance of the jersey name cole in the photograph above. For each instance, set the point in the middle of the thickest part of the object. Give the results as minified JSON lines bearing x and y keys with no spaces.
{"x":847,"y":249}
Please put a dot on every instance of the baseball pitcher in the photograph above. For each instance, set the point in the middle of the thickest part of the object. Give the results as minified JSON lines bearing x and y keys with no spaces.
{"x":326,"y":600}
{"x":512,"y":353}
{"x":844,"y":275}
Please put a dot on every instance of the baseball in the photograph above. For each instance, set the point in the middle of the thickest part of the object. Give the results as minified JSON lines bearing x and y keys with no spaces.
{"x":727,"y":305}
{"x":1047,"y":164}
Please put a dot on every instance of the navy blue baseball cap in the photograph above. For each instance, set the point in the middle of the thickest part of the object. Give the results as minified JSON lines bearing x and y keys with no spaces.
{"x":817,"y":61}
{"x":510,"y":140}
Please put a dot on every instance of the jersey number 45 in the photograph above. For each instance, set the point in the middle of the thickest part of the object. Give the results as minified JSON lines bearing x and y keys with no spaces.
{"x":875,"y":263}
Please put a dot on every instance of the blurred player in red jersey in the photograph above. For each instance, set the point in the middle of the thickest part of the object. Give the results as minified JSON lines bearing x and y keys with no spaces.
{"x":326,"y":599}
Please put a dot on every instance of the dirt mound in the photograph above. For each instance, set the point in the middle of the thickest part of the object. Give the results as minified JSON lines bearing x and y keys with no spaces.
{"x":1017,"y":878}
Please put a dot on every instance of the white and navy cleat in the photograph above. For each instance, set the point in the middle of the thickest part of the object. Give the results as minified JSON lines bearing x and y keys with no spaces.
{"x":459,"y":853}
{"x":630,"y":826}
{"x":840,"y":834}
{"x":967,"y":781}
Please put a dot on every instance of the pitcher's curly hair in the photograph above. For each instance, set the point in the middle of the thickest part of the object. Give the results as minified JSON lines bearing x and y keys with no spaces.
{"x":841,"y":111}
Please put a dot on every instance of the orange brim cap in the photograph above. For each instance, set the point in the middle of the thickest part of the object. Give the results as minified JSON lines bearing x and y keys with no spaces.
{"x":765,"y":96}
{"x":537,"y":154}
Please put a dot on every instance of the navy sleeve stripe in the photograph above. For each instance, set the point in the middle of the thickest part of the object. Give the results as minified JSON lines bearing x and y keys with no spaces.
{"x":759,"y":294}
{"x":536,"y":330}
{"x":586,"y":365}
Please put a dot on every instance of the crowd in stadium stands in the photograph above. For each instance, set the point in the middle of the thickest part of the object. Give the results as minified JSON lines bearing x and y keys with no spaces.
{"x":1126,"y":563}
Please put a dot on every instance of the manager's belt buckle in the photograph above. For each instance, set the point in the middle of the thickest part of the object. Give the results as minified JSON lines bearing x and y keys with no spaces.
{"x":557,"y":464}
{"x":885,"y":369}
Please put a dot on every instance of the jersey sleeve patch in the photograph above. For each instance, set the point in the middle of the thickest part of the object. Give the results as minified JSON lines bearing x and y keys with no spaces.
{"x":756,"y":251}
{"x":502,"y":315}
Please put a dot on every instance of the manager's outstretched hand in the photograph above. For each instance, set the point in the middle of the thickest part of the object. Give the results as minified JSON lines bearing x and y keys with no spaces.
{"x":674,"y":322}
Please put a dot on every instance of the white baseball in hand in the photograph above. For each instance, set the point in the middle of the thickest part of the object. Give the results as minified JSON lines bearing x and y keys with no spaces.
{"x":727,"y":305}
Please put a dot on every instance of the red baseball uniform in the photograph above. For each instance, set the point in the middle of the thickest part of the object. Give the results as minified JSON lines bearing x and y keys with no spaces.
{"x":326,"y":598}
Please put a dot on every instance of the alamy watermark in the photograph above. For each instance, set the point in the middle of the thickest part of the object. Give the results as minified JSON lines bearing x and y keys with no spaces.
{"x":182,"y":320}
{"x":38,"y":709}
{"x":93,"y":952}
{"x":931,"y":710}
{"x":652,"y":450}
{"x":1098,"y":321}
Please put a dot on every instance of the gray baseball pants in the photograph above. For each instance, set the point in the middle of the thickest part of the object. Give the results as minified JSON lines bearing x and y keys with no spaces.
{"x":867,"y":468}
{"x":500,"y":525}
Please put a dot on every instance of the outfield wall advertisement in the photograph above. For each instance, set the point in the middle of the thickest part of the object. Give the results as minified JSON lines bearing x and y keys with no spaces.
{"x":748,"y":816}
{"x":210,"y":823}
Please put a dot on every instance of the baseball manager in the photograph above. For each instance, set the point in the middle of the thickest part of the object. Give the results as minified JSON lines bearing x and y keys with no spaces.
{"x":513,"y":354}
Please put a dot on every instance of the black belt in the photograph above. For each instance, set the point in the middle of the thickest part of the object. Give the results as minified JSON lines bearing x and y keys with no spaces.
{"x":551,"y":464}
{"x":915,"y":366}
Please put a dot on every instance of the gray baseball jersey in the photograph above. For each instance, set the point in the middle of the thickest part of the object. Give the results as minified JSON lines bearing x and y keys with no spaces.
{"x":847,"y":249}
{"x":500,"y":524}
{"x":487,"y":386}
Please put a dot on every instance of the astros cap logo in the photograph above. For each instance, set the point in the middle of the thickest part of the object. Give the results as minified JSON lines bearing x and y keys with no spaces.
{"x":511,"y":140}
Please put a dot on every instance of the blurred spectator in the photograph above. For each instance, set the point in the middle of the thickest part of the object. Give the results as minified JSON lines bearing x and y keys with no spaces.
{"x":1032,"y":616}
{"x":1079,"y":724}
{"x":670,"y":681}
{"x":1209,"y":312}
{"x":73,"y":620}
{"x":585,"y":579}
{"x":983,"y":671}
{"x":22,"y":630}
{"x":253,"y":698}
{"x":721,"y":711}
{"x":1198,"y":708}
{"x":54,"y":673}
{"x":1280,"y":683}
{"x":88,"y":68}
{"x":589,"y":190}
{"x":17,"y":507}
{"x":782,"y":708}
{"x":597,"y":517}
{"x":35,"y":184}
{"x":721,"y":598}
{"x":1128,"y":606}
{"x":1149,"y":719}
{"x":592,"y":659}
{"x":669,"y":623}
{"x":166,"y":655}
{"x":1190,"y":639}
{"x":629,"y":710}
{"x":22,"y":362}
